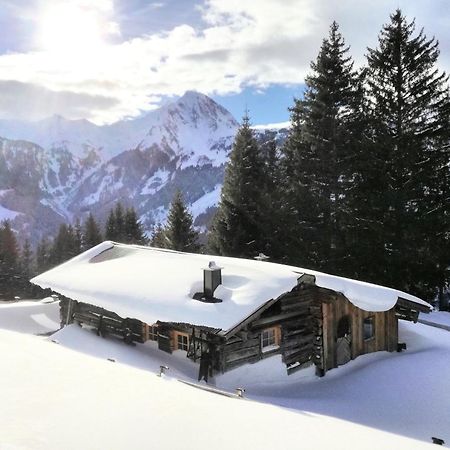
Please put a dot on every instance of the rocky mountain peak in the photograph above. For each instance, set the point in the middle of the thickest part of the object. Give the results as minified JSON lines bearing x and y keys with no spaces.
{"x":68,"y":168}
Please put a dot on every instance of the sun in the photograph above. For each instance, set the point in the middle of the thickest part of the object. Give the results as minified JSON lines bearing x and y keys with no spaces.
{"x":70,"y":29}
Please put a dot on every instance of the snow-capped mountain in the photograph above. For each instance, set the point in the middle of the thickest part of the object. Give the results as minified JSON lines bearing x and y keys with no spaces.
{"x":56,"y":170}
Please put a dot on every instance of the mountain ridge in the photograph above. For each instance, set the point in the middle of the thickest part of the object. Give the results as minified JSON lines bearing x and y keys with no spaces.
{"x":75,"y":167}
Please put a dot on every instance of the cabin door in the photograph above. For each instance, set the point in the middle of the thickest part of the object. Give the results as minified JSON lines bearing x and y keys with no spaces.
{"x":343,"y":341}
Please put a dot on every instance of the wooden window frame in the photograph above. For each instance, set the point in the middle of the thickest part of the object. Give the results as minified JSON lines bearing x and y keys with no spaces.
{"x":176,"y":342}
{"x":371,"y":323}
{"x":273,"y":338}
{"x":153,"y":332}
{"x":150,"y":332}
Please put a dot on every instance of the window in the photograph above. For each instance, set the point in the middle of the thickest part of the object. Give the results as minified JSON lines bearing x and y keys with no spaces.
{"x":368,"y":328}
{"x":150,"y":332}
{"x":182,"y":342}
{"x":270,"y":339}
{"x":153,"y":332}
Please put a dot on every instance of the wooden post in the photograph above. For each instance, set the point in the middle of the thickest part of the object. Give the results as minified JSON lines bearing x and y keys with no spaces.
{"x":69,"y":312}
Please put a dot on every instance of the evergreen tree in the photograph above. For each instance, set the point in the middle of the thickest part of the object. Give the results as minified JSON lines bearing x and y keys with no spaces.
{"x":179,"y":232}
{"x":26,"y":268}
{"x":65,"y":245}
{"x":272,"y":227}
{"x":410,"y":155}
{"x":319,"y":161}
{"x":26,"y":260}
{"x":110,"y":228}
{"x":237,"y":228}
{"x":120,"y":223}
{"x":133,"y":229}
{"x":43,"y":256}
{"x":9,"y":261}
{"x":158,"y":238}
{"x":78,"y":237}
{"x":92,"y":235}
{"x":115,"y":225}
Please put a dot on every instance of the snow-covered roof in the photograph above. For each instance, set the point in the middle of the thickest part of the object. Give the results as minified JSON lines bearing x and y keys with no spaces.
{"x":153,"y":284}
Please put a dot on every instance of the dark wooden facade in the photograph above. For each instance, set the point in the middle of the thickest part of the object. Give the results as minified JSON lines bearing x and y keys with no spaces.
{"x":307,"y":326}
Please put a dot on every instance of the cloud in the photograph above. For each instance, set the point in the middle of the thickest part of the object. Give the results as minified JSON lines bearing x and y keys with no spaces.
{"x":261,"y":43}
{"x":28,"y":101}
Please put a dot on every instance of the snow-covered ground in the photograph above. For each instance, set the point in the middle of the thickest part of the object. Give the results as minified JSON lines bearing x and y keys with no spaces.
{"x":437,"y":317}
{"x":31,"y":317}
{"x":69,"y":396}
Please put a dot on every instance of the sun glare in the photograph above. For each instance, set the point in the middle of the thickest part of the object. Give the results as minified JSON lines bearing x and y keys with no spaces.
{"x":71,"y":30}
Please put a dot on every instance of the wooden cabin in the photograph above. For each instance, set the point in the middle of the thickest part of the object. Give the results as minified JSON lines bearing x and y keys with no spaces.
{"x":308,"y":321}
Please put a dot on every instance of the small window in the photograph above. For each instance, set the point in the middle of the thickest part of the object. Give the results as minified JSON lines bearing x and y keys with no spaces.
{"x":153,"y":332}
{"x":368,"y":328}
{"x":270,"y":339}
{"x":182,"y":342}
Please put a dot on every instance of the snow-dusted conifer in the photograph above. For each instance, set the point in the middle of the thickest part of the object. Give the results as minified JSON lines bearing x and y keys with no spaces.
{"x":92,"y":234}
{"x":317,"y":160}
{"x":133,"y":228}
{"x":9,"y":260}
{"x":237,"y":228}
{"x":179,"y":231}
{"x":409,"y":159}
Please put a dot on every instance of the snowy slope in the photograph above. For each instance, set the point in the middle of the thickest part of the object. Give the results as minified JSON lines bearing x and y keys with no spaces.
{"x":69,"y":396}
{"x":30,"y":317}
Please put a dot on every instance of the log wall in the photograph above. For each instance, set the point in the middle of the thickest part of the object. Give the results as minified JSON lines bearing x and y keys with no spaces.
{"x":104,"y":321}
{"x":298,"y":328}
{"x":305,"y":319}
{"x":308,"y":318}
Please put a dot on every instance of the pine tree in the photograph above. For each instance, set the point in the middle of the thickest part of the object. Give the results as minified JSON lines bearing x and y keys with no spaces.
{"x":409,"y":127}
{"x":179,"y":231}
{"x":43,"y":256}
{"x":26,"y":260}
{"x":318,"y":161}
{"x":237,"y":228}
{"x":158,"y":238}
{"x":65,"y":245}
{"x":26,"y":268}
{"x":110,"y":228}
{"x":272,"y":227}
{"x":92,"y":235}
{"x":78,"y":237}
{"x":133,"y":229}
{"x":115,"y":225}
{"x":120,"y":223}
{"x":9,"y":261}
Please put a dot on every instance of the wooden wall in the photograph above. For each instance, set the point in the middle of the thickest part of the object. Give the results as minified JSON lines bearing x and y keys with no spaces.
{"x":385,"y":329}
{"x":306,"y":319}
{"x":293,"y":314}
{"x":104,"y":321}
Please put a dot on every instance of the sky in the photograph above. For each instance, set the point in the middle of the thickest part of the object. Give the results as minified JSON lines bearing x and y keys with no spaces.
{"x":107,"y":60}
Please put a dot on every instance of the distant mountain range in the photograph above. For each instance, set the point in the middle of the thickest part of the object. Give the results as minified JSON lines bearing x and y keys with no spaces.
{"x":57,"y":170}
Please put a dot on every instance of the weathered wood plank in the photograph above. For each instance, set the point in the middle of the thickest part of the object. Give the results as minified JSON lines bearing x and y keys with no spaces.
{"x":299,"y":340}
{"x":236,"y":346}
{"x":277,"y":319}
{"x":242,"y":354}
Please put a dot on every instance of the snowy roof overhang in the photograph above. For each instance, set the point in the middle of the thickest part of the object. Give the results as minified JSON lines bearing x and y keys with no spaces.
{"x":153,"y":284}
